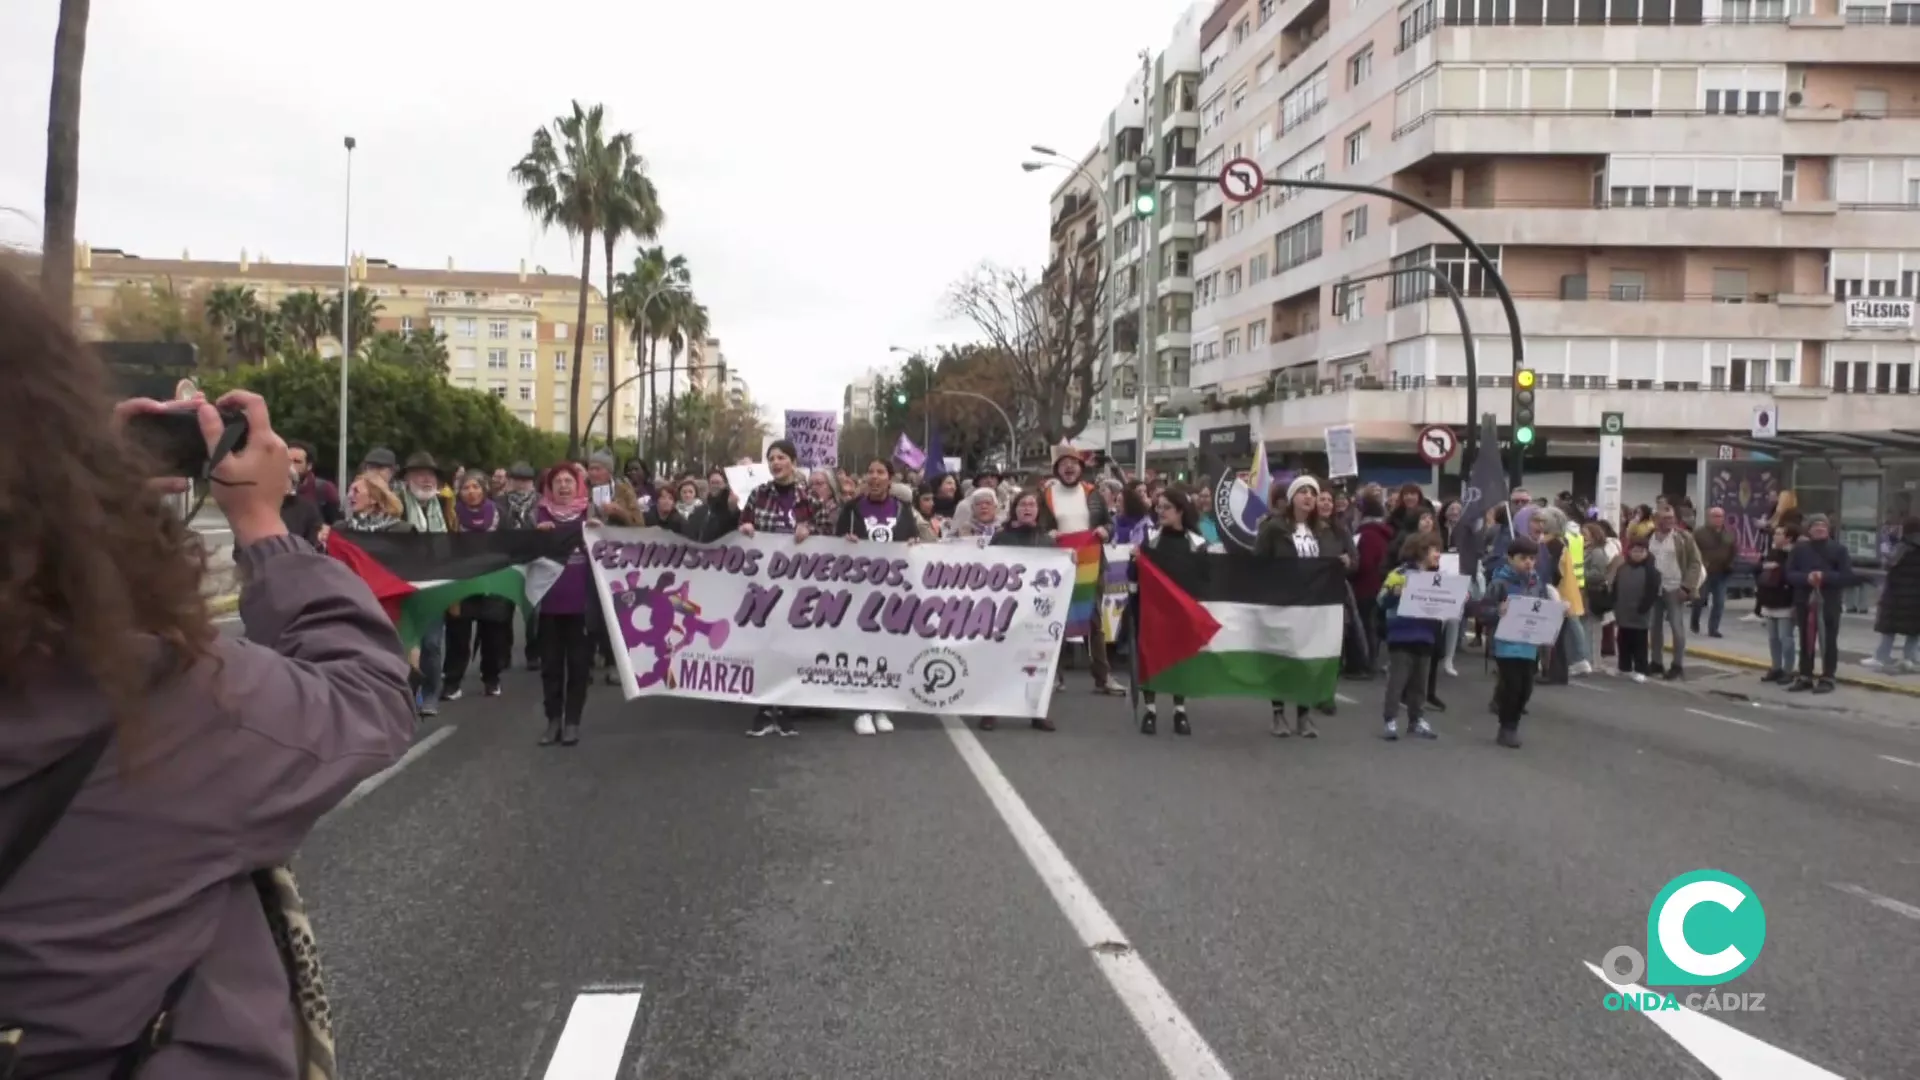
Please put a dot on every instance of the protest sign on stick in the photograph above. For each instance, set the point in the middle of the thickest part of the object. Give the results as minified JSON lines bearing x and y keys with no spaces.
{"x":815,"y":435}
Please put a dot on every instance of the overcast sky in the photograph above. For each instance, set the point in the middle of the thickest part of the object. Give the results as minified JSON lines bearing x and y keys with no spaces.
{"x":828,"y":168}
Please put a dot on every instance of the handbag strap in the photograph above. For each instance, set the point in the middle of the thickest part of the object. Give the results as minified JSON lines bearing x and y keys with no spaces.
{"x":52,"y":790}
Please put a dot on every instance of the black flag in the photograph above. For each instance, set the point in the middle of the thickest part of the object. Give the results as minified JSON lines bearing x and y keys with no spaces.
{"x":1486,"y":487}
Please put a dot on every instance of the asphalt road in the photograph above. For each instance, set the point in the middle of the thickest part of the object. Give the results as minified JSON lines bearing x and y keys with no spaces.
{"x":691,"y":904}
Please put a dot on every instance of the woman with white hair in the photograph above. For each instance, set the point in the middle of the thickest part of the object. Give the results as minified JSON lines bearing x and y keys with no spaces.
{"x":980,"y":516}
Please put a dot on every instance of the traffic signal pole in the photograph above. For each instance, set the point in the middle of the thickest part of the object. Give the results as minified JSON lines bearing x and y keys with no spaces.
{"x":1479,"y":256}
{"x":1468,"y":347}
{"x":1146,"y":210}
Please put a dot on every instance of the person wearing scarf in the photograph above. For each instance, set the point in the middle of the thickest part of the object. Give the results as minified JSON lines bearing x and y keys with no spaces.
{"x":373,"y":507}
{"x":489,"y":619}
{"x":517,"y":503}
{"x":981,"y":516}
{"x":783,"y":506}
{"x":428,"y":510}
{"x":565,"y":635}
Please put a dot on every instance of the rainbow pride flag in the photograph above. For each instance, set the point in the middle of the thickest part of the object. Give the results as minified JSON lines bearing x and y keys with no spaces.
{"x":1086,"y":548}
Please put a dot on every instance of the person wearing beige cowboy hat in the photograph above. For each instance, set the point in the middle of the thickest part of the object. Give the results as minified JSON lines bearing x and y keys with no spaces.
{"x":1069,"y":504}
{"x":428,"y":510}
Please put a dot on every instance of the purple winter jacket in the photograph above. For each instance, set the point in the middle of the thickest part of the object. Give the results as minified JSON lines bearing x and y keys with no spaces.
{"x":230,"y":766}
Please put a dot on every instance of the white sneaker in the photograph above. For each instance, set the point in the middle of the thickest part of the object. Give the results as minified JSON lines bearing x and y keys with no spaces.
{"x":1584,"y":667}
{"x":882,"y":723}
{"x":1871,"y":662}
{"x":1447,"y":669}
{"x":863,"y":724}
{"x":1637,"y":677}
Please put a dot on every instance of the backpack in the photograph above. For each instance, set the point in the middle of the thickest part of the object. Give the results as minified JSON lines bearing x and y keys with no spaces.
{"x":50,"y":793}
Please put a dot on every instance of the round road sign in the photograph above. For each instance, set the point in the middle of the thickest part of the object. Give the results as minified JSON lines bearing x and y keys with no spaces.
{"x":1437,"y":444}
{"x":1242,"y":180}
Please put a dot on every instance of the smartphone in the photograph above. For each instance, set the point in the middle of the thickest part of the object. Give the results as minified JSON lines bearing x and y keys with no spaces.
{"x":173,"y":440}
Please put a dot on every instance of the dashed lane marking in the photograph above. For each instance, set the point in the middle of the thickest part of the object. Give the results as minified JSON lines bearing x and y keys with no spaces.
{"x":1726,"y":1051}
{"x":1888,"y":903}
{"x":1729,"y":719}
{"x":594,"y":1042}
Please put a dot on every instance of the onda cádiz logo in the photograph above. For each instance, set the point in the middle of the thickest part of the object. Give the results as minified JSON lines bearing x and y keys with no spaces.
{"x":1705,"y":928}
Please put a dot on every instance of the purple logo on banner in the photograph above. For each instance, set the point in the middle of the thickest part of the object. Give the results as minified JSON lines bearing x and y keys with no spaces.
{"x":815,"y":436}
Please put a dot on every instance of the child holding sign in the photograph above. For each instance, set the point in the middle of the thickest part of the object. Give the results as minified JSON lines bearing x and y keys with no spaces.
{"x":1517,"y":660}
{"x":1410,"y":640}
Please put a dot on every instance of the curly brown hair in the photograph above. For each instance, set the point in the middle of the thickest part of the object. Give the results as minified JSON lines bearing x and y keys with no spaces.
{"x":98,"y":566}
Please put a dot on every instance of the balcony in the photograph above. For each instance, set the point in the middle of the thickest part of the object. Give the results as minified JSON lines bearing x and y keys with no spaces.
{"x":1577,"y":224}
{"x":1653,"y":131}
{"x":1732,"y":41}
{"x":1802,"y":318}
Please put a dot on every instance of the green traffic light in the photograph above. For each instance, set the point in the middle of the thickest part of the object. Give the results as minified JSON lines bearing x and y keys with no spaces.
{"x":900,"y":399}
{"x":1523,"y":436}
{"x":1144,"y":203}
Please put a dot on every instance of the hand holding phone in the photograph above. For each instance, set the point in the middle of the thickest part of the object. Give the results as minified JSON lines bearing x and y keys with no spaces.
{"x":169,"y":432}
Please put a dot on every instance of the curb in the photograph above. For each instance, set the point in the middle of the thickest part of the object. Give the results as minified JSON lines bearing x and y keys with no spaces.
{"x":1866,"y":682}
{"x":223,"y":605}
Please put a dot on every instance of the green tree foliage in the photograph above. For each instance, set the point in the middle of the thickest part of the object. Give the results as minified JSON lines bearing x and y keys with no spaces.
{"x":165,"y":313}
{"x":404,"y":407}
{"x":304,"y":317}
{"x":365,"y":321}
{"x":424,"y":349}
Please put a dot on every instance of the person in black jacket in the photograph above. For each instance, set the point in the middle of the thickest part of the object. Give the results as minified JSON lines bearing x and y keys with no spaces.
{"x":1820,"y":570}
{"x":302,"y":516}
{"x":1178,"y":549}
{"x":876,"y":514}
{"x":1899,"y":608}
{"x":1773,"y":601}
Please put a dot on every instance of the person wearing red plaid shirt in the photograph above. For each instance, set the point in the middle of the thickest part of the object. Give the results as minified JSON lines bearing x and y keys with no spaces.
{"x":783,"y":505}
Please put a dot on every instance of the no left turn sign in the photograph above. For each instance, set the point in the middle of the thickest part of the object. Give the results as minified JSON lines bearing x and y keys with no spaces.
{"x":1437,"y":444}
{"x":1242,"y":180}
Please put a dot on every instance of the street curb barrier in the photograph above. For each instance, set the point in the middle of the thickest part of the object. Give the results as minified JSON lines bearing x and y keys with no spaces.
{"x":224,"y":605}
{"x":1865,"y":682}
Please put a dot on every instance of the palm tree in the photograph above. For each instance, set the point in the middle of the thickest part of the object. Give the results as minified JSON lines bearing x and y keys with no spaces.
{"x":304,"y":316}
{"x":655,"y":279}
{"x":251,"y":331}
{"x":365,"y":319}
{"x":62,"y":208}
{"x":569,"y":175}
{"x":689,"y":329}
{"x":633,"y":209}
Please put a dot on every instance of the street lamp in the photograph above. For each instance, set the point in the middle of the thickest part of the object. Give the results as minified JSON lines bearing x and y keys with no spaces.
{"x":1106,"y":278}
{"x":926,"y":390}
{"x":1467,"y":345}
{"x":671,"y":285}
{"x":346,"y":312}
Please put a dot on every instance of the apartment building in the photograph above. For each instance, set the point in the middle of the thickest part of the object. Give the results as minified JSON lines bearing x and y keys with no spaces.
{"x":859,"y":402}
{"x":508,"y":332}
{"x":1700,"y":206}
{"x":1075,"y":276}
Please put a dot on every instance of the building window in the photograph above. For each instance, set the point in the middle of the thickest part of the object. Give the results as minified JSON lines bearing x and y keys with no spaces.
{"x":1359,"y":66}
{"x":464,"y":327}
{"x":406,"y":324}
{"x":1353,"y":225}
{"x":1453,"y":260}
{"x":1358,"y":145}
{"x":559,"y":331}
{"x":497,"y":329}
{"x":560,"y":362}
{"x":439,"y":325}
{"x":1627,"y":285}
{"x":1416,"y":21}
{"x":1307,"y":97}
{"x":1266,"y":10}
{"x":599,"y":361}
{"x":1236,"y":220}
{"x":599,"y":332}
{"x":496,"y":359}
{"x":1214,"y":112}
{"x":1230,"y":343}
{"x":1256,"y":334}
{"x":1353,"y":303}
{"x":1257,"y":269}
{"x":526,"y":392}
{"x":498,"y":390}
{"x":464,"y":358}
{"x":1297,"y":244}
{"x":1729,"y":286}
{"x":1232,"y":283}
{"x":528,"y":330}
{"x":526,"y":361}
{"x":1263,"y":71}
{"x":1241,"y":29}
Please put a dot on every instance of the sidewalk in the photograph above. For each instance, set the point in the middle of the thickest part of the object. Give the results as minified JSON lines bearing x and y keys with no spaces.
{"x":1745,"y":645}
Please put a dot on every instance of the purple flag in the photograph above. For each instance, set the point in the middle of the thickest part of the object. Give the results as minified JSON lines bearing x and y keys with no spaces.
{"x":908,"y":454}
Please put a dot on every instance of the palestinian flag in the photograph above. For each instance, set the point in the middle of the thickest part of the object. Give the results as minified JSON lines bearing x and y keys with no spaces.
{"x":1228,"y":624}
{"x":418,"y":576}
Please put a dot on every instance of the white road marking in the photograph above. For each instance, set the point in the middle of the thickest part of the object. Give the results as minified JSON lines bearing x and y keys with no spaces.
{"x":1345,"y":700}
{"x":1588,"y":686}
{"x":1729,"y":719}
{"x":1727,"y":1052}
{"x":372,"y":783}
{"x":1901,"y":761}
{"x":594,"y":1041}
{"x":1898,"y":907}
{"x":1179,"y":1045}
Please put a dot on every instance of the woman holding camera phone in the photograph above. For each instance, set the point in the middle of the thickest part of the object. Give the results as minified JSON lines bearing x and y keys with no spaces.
{"x":153,"y":773}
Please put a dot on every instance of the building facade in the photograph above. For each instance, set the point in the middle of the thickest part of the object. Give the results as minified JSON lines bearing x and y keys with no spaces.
{"x":508,"y":333}
{"x":1701,"y":207}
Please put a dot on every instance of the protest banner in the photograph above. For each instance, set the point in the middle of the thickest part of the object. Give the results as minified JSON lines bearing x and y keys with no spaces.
{"x":1531,"y":621}
{"x":762,"y":620}
{"x":815,"y":435}
{"x":742,"y":479}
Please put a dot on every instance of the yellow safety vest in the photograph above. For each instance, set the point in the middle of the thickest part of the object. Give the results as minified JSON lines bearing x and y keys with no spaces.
{"x":1577,"y":551}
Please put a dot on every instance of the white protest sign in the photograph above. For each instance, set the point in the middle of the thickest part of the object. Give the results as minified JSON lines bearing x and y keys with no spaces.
{"x":744,"y":478}
{"x":1343,"y":455}
{"x":762,"y":620}
{"x":1531,"y":621}
{"x":1449,"y":562}
{"x":815,"y":435}
{"x":1434,"y":595}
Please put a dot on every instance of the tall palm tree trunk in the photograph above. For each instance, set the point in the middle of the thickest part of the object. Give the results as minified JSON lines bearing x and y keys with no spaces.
{"x":613,"y":345}
{"x":62,"y":208}
{"x":579,"y":345}
{"x":673,"y":374}
{"x":653,"y":401}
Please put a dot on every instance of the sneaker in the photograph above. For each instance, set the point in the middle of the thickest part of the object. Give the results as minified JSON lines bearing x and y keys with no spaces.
{"x":1180,"y":724}
{"x":1041,"y":723}
{"x":863,"y":724}
{"x":1824,"y":686}
{"x":1874,"y":662}
{"x":1674,"y":674}
{"x":1447,"y":668}
{"x":1509,"y":738}
{"x":1640,"y":676}
{"x":450,"y":694}
{"x":1715,"y":633}
{"x":1584,"y":667}
{"x":429,"y":709}
{"x":493,"y":690}
{"x":1800,"y":686}
{"x":762,"y":724}
{"x":1774,"y":677}
{"x":1280,"y":728}
{"x":1303,"y":726}
{"x":1424,"y":730}
{"x":1149,"y":723}
{"x":1391,"y":731}
{"x":785,"y":726}
{"x":883,"y":723}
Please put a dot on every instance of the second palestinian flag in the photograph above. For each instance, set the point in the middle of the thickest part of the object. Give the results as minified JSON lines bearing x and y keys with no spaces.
{"x":418,"y":576}
{"x":1234,"y":625}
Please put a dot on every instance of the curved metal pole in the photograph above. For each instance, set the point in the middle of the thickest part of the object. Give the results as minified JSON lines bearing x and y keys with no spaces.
{"x":1013,"y":439}
{"x":1479,"y":255}
{"x":616,"y":388}
{"x":1467,"y":346}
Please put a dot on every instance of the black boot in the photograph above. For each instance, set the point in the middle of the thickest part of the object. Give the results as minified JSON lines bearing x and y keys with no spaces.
{"x":1180,"y":725}
{"x":570,"y":733}
{"x":552,"y":734}
{"x":1149,"y":723}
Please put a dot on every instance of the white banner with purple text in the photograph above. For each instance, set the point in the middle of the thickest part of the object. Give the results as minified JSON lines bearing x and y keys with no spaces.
{"x":935,"y":628}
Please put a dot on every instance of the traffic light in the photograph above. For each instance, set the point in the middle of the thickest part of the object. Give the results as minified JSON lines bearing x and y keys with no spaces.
{"x":899,"y":397}
{"x":1524,"y":382}
{"x":1146,"y":187}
